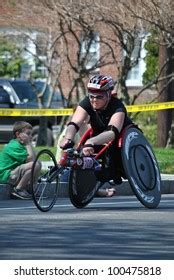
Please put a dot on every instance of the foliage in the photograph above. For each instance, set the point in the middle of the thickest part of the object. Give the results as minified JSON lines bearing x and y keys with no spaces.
{"x":148,"y":124}
{"x":150,"y":132}
{"x":151,"y":58}
{"x":36,"y":75}
{"x":10,"y":59}
{"x":165,"y":158}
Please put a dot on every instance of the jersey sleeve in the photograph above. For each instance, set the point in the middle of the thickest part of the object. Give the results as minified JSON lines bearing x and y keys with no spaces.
{"x":85,"y":104}
{"x":120,"y":107}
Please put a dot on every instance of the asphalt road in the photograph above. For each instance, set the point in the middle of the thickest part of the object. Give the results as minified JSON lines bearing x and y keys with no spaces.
{"x":109,"y":228}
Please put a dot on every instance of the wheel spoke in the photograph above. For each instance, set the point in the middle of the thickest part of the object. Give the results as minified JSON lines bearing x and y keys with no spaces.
{"x":44,"y":184}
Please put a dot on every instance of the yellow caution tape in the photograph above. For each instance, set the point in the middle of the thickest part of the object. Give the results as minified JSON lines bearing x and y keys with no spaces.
{"x":150,"y":107}
{"x":35,"y":112}
{"x":68,"y":111}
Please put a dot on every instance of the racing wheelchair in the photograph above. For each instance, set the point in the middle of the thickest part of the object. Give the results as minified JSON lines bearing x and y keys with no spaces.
{"x":139,"y":167}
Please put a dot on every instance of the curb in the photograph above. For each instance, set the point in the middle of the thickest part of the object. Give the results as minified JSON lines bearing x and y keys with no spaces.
{"x":167,"y":187}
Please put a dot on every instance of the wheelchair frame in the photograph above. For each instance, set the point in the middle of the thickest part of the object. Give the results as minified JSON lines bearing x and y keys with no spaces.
{"x":147,"y":195}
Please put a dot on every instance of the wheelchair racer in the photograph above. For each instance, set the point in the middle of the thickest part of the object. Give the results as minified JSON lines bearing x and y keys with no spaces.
{"x":107,"y":116}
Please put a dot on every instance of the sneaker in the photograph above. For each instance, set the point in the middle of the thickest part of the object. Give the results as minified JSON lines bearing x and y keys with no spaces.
{"x":23,"y":194}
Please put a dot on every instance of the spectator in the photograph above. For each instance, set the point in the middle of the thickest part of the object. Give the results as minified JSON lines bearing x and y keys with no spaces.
{"x":16,"y":160}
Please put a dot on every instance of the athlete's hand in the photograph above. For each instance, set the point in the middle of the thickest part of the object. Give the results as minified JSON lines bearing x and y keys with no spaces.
{"x":66,"y":143}
{"x":88,"y":149}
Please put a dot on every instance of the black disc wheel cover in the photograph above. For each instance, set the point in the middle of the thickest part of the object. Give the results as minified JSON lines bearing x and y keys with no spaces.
{"x":141,"y":168}
{"x":83,"y":186}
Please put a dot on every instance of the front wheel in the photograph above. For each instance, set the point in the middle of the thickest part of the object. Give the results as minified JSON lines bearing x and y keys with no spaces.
{"x":83,"y":186}
{"x":141,"y":168}
{"x":44,"y":180}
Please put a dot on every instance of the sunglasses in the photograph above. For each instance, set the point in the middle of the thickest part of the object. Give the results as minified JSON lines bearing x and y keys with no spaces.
{"x":92,"y":96}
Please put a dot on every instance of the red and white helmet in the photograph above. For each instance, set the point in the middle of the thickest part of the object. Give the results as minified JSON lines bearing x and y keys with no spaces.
{"x":100,"y":83}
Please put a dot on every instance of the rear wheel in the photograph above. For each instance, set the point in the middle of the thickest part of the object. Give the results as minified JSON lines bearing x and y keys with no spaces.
{"x":141,"y":168}
{"x":44,"y":180}
{"x":83,"y":186}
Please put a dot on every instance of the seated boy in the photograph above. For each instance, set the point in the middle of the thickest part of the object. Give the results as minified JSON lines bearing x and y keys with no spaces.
{"x":16,"y":160}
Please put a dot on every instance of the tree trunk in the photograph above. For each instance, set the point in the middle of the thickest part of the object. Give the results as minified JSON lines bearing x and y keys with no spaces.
{"x":42,"y":135}
{"x":164,"y":117}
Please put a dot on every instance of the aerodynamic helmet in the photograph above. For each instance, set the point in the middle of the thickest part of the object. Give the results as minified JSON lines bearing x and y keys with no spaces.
{"x":100,"y":83}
